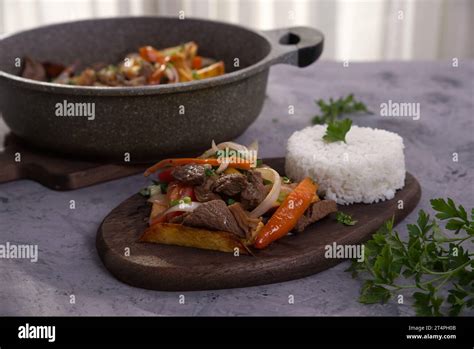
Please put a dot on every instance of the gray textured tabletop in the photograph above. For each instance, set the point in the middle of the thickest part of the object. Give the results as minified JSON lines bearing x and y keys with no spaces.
{"x":69,"y":265}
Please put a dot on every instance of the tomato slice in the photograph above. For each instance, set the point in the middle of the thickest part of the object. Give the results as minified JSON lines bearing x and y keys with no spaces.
{"x":197,"y":62}
{"x":151,"y":54}
{"x":165,"y":176}
{"x":178,"y":191}
{"x":187,"y":191}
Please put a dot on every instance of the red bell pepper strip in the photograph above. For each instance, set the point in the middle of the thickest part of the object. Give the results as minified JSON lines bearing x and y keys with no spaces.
{"x":176,"y":191}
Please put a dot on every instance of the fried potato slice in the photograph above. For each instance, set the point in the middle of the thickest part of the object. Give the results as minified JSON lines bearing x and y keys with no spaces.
{"x":215,"y":69}
{"x":181,"y":235}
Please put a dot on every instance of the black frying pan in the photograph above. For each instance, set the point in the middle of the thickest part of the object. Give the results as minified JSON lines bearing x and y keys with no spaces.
{"x":147,"y":122}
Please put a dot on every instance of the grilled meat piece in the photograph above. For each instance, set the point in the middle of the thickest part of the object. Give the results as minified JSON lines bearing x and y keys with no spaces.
{"x":254,"y":191}
{"x":213,"y":215}
{"x":204,"y":193}
{"x":314,"y":213}
{"x":229,"y":184}
{"x":190,"y":174}
{"x":246,"y":223}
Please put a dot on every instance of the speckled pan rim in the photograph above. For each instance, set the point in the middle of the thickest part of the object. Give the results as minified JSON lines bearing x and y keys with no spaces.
{"x":227,"y":78}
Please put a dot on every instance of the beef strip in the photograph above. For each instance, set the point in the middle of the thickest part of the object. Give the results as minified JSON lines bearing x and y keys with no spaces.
{"x":314,"y":213}
{"x":229,"y":184}
{"x":204,"y":193}
{"x":190,"y":174}
{"x":246,"y":223}
{"x":178,"y":219}
{"x":214,"y":215}
{"x":254,"y":191}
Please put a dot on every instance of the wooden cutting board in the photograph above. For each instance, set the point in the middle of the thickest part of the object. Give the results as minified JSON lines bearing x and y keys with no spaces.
{"x":20,"y":161}
{"x":175,"y":268}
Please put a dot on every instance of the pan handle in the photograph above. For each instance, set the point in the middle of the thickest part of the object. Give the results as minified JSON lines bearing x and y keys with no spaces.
{"x":298,"y":46}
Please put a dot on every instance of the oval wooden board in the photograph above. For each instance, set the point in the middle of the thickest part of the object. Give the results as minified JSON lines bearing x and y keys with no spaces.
{"x":175,"y":268}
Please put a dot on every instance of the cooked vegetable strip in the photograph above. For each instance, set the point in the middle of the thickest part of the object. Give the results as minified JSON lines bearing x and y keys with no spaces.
{"x":215,"y":69}
{"x":243,"y":165}
{"x":287,"y":215}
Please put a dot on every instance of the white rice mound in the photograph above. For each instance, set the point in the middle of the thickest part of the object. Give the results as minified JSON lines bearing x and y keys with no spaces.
{"x":369,"y":168}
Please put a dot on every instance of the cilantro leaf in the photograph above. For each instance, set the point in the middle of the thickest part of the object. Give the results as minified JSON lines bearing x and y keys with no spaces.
{"x":345,"y":218}
{"x":337,"y":130}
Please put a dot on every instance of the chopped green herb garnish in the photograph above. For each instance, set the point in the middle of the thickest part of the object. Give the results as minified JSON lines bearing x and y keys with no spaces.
{"x":286,"y":180}
{"x":209,"y":172}
{"x":196,"y":75}
{"x":174,"y":202}
{"x":259,"y":162}
{"x":334,"y":108}
{"x":431,"y":262}
{"x":345,"y":218}
{"x":267,"y":182}
{"x":281,"y":197}
{"x":184,"y":200}
{"x":230,"y":201}
{"x":164,"y":187}
{"x":337,"y":130}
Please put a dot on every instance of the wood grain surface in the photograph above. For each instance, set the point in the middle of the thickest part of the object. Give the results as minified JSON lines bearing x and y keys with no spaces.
{"x":175,"y":268}
{"x":58,"y":172}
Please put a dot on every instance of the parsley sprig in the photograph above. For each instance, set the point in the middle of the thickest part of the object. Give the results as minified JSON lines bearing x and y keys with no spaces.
{"x":345,"y":218}
{"x":331,"y":110}
{"x":435,"y":262}
{"x":337,"y":130}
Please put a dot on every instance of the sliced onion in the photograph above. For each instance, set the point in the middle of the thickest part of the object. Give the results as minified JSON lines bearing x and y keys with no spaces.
{"x":272,"y":175}
{"x":214,"y":146}
{"x":172,"y":74}
{"x":223,"y":166}
{"x":211,"y":151}
{"x":231,"y":145}
{"x":182,"y":208}
{"x":253,"y":147}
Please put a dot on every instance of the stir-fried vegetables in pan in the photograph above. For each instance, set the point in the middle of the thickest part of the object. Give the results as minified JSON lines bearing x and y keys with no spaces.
{"x":148,"y":66}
